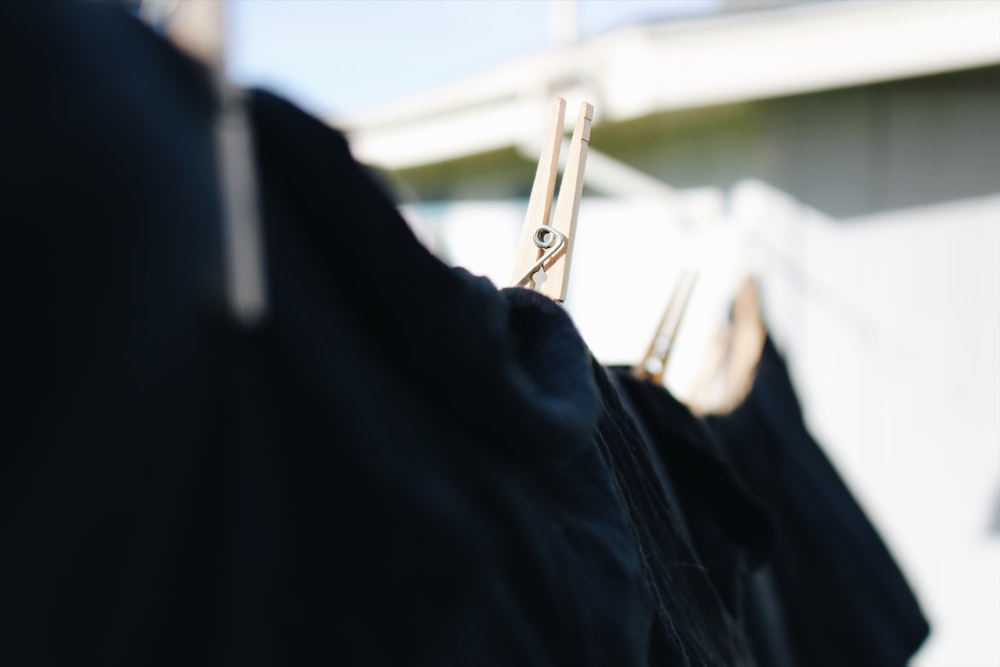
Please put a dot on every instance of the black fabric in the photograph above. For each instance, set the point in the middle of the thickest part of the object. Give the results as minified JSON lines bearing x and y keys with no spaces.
{"x":693,"y":626}
{"x":764,"y":620}
{"x":731,"y":530}
{"x":397,"y":468}
{"x":845,"y":600}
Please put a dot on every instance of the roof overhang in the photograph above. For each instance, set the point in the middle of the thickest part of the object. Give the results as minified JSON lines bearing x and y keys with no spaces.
{"x":647,"y":69}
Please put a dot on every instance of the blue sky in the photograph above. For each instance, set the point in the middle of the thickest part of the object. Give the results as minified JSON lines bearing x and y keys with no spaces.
{"x":345,"y":55}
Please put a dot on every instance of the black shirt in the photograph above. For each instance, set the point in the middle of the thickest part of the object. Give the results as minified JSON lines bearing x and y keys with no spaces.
{"x":845,"y":600}
{"x":396,"y":467}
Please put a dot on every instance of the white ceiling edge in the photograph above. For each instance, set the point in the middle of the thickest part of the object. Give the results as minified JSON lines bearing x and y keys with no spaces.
{"x":641,"y":70}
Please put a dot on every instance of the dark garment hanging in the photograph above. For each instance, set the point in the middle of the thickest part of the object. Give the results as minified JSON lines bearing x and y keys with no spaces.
{"x":844,"y":599}
{"x":397,"y":467}
{"x":764,"y":620}
{"x":730,"y":529}
{"x":693,"y":625}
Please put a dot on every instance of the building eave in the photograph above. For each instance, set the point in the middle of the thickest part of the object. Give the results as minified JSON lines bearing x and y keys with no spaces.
{"x":678,"y":65}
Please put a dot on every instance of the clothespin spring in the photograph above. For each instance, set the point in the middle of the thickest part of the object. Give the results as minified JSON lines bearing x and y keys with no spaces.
{"x":549,"y":240}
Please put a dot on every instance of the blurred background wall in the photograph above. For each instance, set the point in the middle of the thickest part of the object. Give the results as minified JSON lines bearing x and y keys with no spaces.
{"x":846,"y":154}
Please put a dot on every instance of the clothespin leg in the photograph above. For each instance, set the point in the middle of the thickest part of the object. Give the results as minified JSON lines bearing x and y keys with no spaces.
{"x":540,"y":200}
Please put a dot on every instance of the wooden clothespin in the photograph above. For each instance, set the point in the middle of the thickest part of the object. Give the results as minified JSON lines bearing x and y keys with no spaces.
{"x":654,"y":364}
{"x":727,"y":375}
{"x":544,"y":251}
